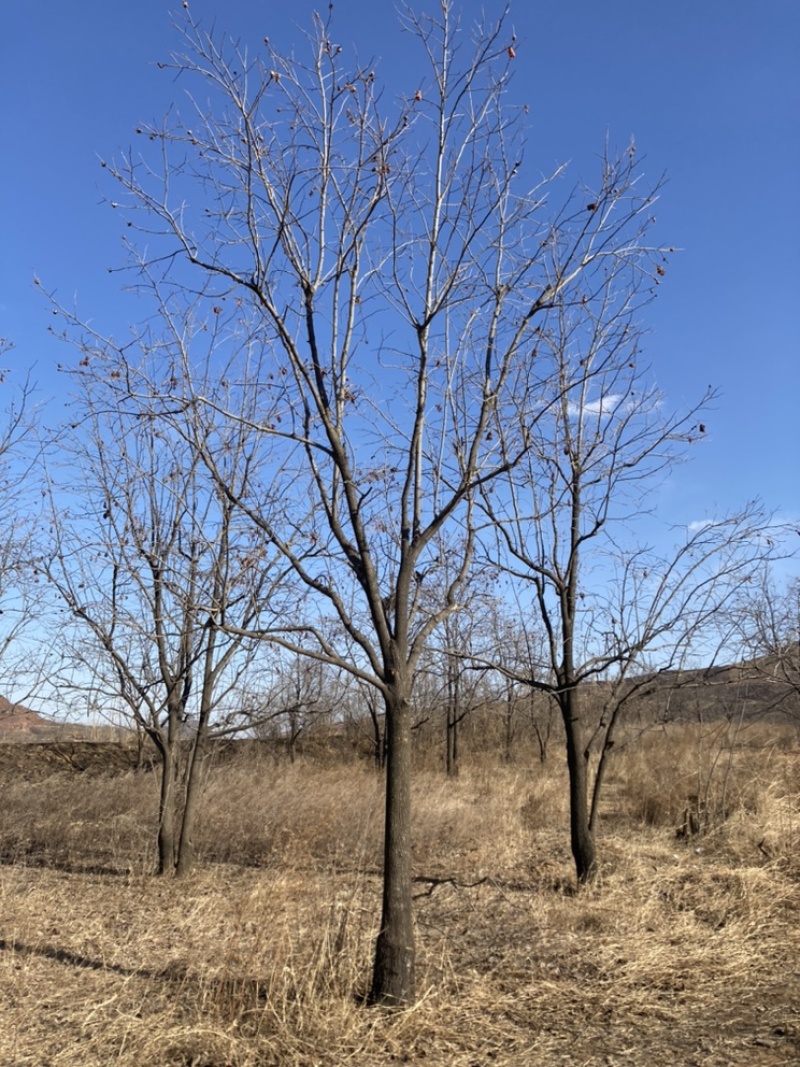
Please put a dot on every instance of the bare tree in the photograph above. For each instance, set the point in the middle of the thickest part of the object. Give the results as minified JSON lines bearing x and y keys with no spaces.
{"x":461,"y":685}
{"x":301,"y":694}
{"x":767,"y":624}
{"x":516,"y":651}
{"x":609,"y":606}
{"x":159,"y":570}
{"x":450,"y":686}
{"x":19,"y":596}
{"x":372,"y":727}
{"x":397,"y":275}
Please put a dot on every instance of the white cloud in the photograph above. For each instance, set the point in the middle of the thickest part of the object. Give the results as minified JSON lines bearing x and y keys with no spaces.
{"x":604,"y":405}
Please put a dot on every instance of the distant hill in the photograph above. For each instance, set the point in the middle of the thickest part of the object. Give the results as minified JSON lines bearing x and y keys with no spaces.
{"x":751,"y":689}
{"x":20,"y":725}
{"x":19,"y":722}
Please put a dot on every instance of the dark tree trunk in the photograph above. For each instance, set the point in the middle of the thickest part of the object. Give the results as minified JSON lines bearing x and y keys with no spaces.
{"x":600,"y":774}
{"x":451,"y":742}
{"x":508,"y":734}
{"x":378,"y":735}
{"x":166,"y":810}
{"x":603,"y":761}
{"x":452,"y":719}
{"x":581,"y":836}
{"x":186,"y":848}
{"x":393,"y":975}
{"x":141,"y":739}
{"x":454,"y":766}
{"x":295,"y":729}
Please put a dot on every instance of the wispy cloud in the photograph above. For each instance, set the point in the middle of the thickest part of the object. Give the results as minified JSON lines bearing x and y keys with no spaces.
{"x":603,"y":406}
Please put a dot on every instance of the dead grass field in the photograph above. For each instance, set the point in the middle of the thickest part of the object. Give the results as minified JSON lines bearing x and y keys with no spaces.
{"x":686,"y":952}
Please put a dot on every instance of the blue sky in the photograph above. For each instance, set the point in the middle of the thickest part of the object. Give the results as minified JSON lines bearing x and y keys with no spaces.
{"x":710,"y":90}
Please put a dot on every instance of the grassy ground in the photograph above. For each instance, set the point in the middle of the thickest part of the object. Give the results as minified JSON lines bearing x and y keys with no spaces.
{"x":686,"y":952}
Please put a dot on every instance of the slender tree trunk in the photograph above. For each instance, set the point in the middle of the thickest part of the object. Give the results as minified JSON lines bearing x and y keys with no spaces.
{"x":602,"y":765}
{"x":141,"y":738}
{"x":393,"y":975}
{"x":544,"y":732}
{"x":454,"y":767}
{"x":447,"y":740}
{"x":378,"y":740}
{"x":581,"y":836}
{"x":449,"y":723}
{"x":603,"y":761}
{"x":379,"y":747}
{"x":509,"y":728}
{"x":166,"y":810}
{"x":294,"y":734}
{"x":186,"y":847}
{"x":452,"y":716}
{"x":600,"y":774}
{"x":451,"y":742}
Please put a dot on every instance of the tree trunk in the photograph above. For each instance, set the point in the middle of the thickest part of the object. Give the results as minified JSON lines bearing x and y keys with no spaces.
{"x":451,"y":742}
{"x":581,"y":836}
{"x":141,"y":738}
{"x":186,"y":847}
{"x":379,"y":749}
{"x":294,"y":734}
{"x":393,"y":973}
{"x":454,"y":767}
{"x":452,"y":716}
{"x":602,"y":763}
{"x":166,"y":811}
{"x":600,"y":774}
{"x":509,"y":728}
{"x":378,"y":739}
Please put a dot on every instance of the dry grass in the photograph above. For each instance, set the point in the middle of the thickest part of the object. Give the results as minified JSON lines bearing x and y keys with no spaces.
{"x":685,"y":952}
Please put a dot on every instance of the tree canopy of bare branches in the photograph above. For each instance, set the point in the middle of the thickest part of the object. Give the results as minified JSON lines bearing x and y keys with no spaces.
{"x":19,"y":596}
{"x":766,"y":620}
{"x":162,"y":579}
{"x":608,"y":604}
{"x":389,"y":295}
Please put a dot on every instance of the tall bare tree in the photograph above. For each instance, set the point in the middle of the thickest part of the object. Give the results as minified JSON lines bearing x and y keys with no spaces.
{"x":397,"y":274}
{"x":516,"y":651}
{"x":162,"y":578}
{"x":449,"y":686}
{"x":766,"y":620}
{"x":609,"y":604}
{"x":19,"y":596}
{"x":299,"y":693}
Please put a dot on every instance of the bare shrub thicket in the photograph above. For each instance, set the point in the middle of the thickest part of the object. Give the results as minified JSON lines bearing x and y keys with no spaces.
{"x":697,"y":777}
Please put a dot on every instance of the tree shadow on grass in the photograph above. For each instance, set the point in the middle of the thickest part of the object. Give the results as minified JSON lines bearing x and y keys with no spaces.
{"x":74,"y":959}
{"x":236,"y":996}
{"x":37,"y":861}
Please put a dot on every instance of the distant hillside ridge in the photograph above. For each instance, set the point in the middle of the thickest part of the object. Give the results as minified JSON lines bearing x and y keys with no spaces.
{"x":17,"y":719}
{"x":19,"y":725}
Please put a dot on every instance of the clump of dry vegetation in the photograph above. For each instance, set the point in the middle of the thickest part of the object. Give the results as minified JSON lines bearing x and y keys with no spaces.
{"x":685,"y":951}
